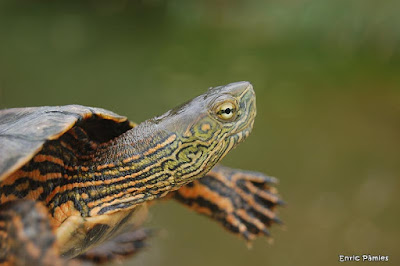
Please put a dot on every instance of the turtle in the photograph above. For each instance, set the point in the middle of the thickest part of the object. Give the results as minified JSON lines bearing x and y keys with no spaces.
{"x":76,"y":181}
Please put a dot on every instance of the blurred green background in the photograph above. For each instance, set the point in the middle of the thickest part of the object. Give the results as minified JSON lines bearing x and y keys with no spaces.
{"x":327,"y":79}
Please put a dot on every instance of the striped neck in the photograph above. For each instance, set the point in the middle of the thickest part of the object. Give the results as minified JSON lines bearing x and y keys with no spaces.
{"x":146,"y":163}
{"x":135,"y":167}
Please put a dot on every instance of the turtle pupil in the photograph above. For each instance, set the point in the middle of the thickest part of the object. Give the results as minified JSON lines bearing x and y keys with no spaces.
{"x":227,"y":111}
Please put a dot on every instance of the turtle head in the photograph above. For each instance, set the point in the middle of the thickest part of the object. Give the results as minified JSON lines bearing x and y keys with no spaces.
{"x":166,"y":152}
{"x":224,"y":115}
{"x":209,"y":126}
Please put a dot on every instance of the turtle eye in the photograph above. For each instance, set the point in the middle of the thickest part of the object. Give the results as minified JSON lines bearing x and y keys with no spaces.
{"x":226,"y":111}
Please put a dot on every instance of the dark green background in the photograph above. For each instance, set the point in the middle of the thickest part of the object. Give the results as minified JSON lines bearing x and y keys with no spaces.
{"x":326,"y":75}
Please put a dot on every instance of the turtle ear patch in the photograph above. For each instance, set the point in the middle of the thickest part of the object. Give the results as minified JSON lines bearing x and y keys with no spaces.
{"x":205,"y":127}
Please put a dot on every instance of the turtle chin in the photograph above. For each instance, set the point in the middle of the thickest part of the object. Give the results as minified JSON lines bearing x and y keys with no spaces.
{"x":240,"y":136}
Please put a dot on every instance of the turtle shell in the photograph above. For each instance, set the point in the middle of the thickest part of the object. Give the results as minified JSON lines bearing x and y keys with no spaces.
{"x":23,"y":131}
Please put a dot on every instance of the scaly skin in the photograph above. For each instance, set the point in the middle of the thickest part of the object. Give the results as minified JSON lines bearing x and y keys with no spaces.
{"x":148,"y":161}
{"x":243,"y":202}
{"x":95,"y":190}
{"x":24,"y":229}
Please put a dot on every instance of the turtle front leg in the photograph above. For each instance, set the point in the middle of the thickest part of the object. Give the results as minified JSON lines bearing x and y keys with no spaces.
{"x":242,"y":201}
{"x":26,"y":235}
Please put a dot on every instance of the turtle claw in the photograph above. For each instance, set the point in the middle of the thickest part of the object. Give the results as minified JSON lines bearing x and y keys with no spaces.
{"x":246,"y":234}
{"x":281,"y":202}
{"x":278,"y":221}
{"x":266,"y":232}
